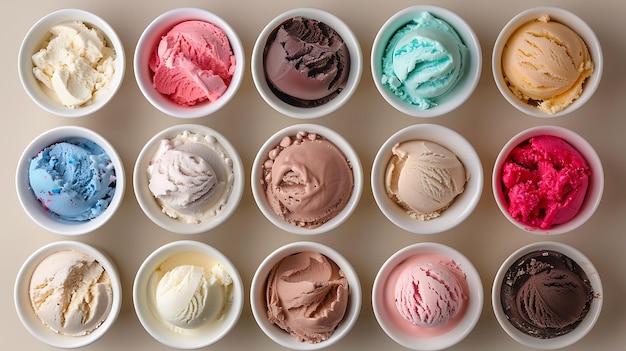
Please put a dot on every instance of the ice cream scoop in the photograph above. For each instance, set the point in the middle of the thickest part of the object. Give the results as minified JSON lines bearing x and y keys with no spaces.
{"x":423,"y":61}
{"x":429,"y":294}
{"x":307,"y":296}
{"x":76,"y":63}
{"x":546,"y":64}
{"x":545,"y":181}
{"x":194,"y":62}
{"x":191,"y":176}
{"x":74,"y":179}
{"x":188,"y":296}
{"x":71,"y":293}
{"x":424,"y":178}
{"x":306,"y":62}
{"x":307,"y":179}
{"x":545,"y":294}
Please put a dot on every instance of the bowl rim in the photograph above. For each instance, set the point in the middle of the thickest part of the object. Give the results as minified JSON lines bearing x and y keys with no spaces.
{"x":151,"y":208}
{"x":33,"y":207}
{"x":148,"y":318}
{"x":596,"y":184}
{"x":443,"y":136}
{"x":354,"y":77}
{"x":450,"y":338}
{"x":564,"y":340}
{"x":463,"y":89}
{"x":28,"y":317}
{"x":571,"y":20}
{"x":153,"y":33}
{"x":258,"y":304}
{"x":41,"y":29}
{"x":341,"y":143}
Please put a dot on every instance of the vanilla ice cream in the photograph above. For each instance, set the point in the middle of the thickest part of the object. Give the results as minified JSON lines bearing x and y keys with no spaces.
{"x":424,"y":178}
{"x":191,"y":176}
{"x":192,"y":290}
{"x":546,"y":63}
{"x":71,"y":293}
{"x":76,"y":63}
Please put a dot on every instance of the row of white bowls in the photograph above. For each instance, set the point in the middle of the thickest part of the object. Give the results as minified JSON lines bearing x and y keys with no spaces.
{"x":460,"y":209}
{"x":143,"y":297}
{"x":156,"y":29}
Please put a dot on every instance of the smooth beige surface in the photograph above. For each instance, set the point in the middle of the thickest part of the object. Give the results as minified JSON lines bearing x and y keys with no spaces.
{"x":367,"y":239}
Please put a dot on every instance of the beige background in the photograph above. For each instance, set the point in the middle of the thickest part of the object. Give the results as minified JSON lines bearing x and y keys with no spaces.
{"x":367,"y":239}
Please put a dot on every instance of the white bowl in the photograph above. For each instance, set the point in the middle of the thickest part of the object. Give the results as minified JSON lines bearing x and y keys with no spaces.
{"x":151,"y":37}
{"x":38,"y":34}
{"x":572,"y":21}
{"x":596,"y":180}
{"x":258,"y":187}
{"x":356,"y":64}
{"x":151,"y":207}
{"x":564,"y":340}
{"x":33,"y":206}
{"x":464,"y":87}
{"x":144,"y":288}
{"x":32,"y":322}
{"x":259,"y":305}
{"x":463,"y":205}
{"x":438,"y":342}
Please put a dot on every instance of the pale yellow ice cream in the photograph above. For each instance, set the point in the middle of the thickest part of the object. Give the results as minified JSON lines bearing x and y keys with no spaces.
{"x":76,"y":63}
{"x":424,"y":178}
{"x":546,"y":63}
{"x":192,"y":291}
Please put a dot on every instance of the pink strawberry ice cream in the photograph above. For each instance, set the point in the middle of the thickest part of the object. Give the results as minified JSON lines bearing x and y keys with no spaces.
{"x":544,"y":181}
{"x":426,"y":295}
{"x":194,"y":62}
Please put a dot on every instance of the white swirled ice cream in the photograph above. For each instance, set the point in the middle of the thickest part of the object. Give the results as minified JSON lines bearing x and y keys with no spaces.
{"x":192,"y":291}
{"x":191,"y":177}
{"x":424,"y":178}
{"x":423,"y":61}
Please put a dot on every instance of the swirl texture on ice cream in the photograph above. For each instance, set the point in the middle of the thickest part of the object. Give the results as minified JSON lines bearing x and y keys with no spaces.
{"x":423,"y":61}
{"x":74,"y":179}
{"x":191,"y":176}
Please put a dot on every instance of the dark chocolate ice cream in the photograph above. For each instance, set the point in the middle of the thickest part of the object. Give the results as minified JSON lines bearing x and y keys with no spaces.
{"x":306,"y":62}
{"x":545,"y":294}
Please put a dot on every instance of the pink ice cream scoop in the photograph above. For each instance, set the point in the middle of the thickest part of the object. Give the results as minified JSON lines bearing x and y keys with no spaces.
{"x":545,"y":181}
{"x":193,"y":62}
{"x":429,"y":294}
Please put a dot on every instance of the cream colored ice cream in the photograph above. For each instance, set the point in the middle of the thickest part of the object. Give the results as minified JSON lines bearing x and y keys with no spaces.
{"x":191,"y":176}
{"x":546,"y":63}
{"x":424,"y":178}
{"x":71,"y":293}
{"x":192,"y":290}
{"x":76,"y":63}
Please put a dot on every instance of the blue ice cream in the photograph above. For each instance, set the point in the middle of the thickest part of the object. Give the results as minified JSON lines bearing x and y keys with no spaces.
{"x":423,"y":61}
{"x":74,"y":179}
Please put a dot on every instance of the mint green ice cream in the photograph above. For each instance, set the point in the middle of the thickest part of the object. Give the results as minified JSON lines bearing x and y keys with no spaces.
{"x":423,"y":61}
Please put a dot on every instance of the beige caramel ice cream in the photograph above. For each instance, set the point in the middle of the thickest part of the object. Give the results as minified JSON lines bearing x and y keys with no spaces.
{"x":71,"y":293}
{"x":307,"y":180}
{"x":424,"y":178}
{"x":546,"y":63}
{"x":192,"y":291}
{"x":307,"y":296}
{"x":191,"y":177}
{"x":76,"y":63}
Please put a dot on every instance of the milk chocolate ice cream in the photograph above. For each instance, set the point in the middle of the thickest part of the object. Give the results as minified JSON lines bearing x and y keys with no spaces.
{"x":306,"y":62}
{"x":546,"y":64}
{"x":307,"y":296}
{"x":307,"y":180}
{"x":545,"y":294}
{"x":71,"y":293}
{"x":424,"y":178}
